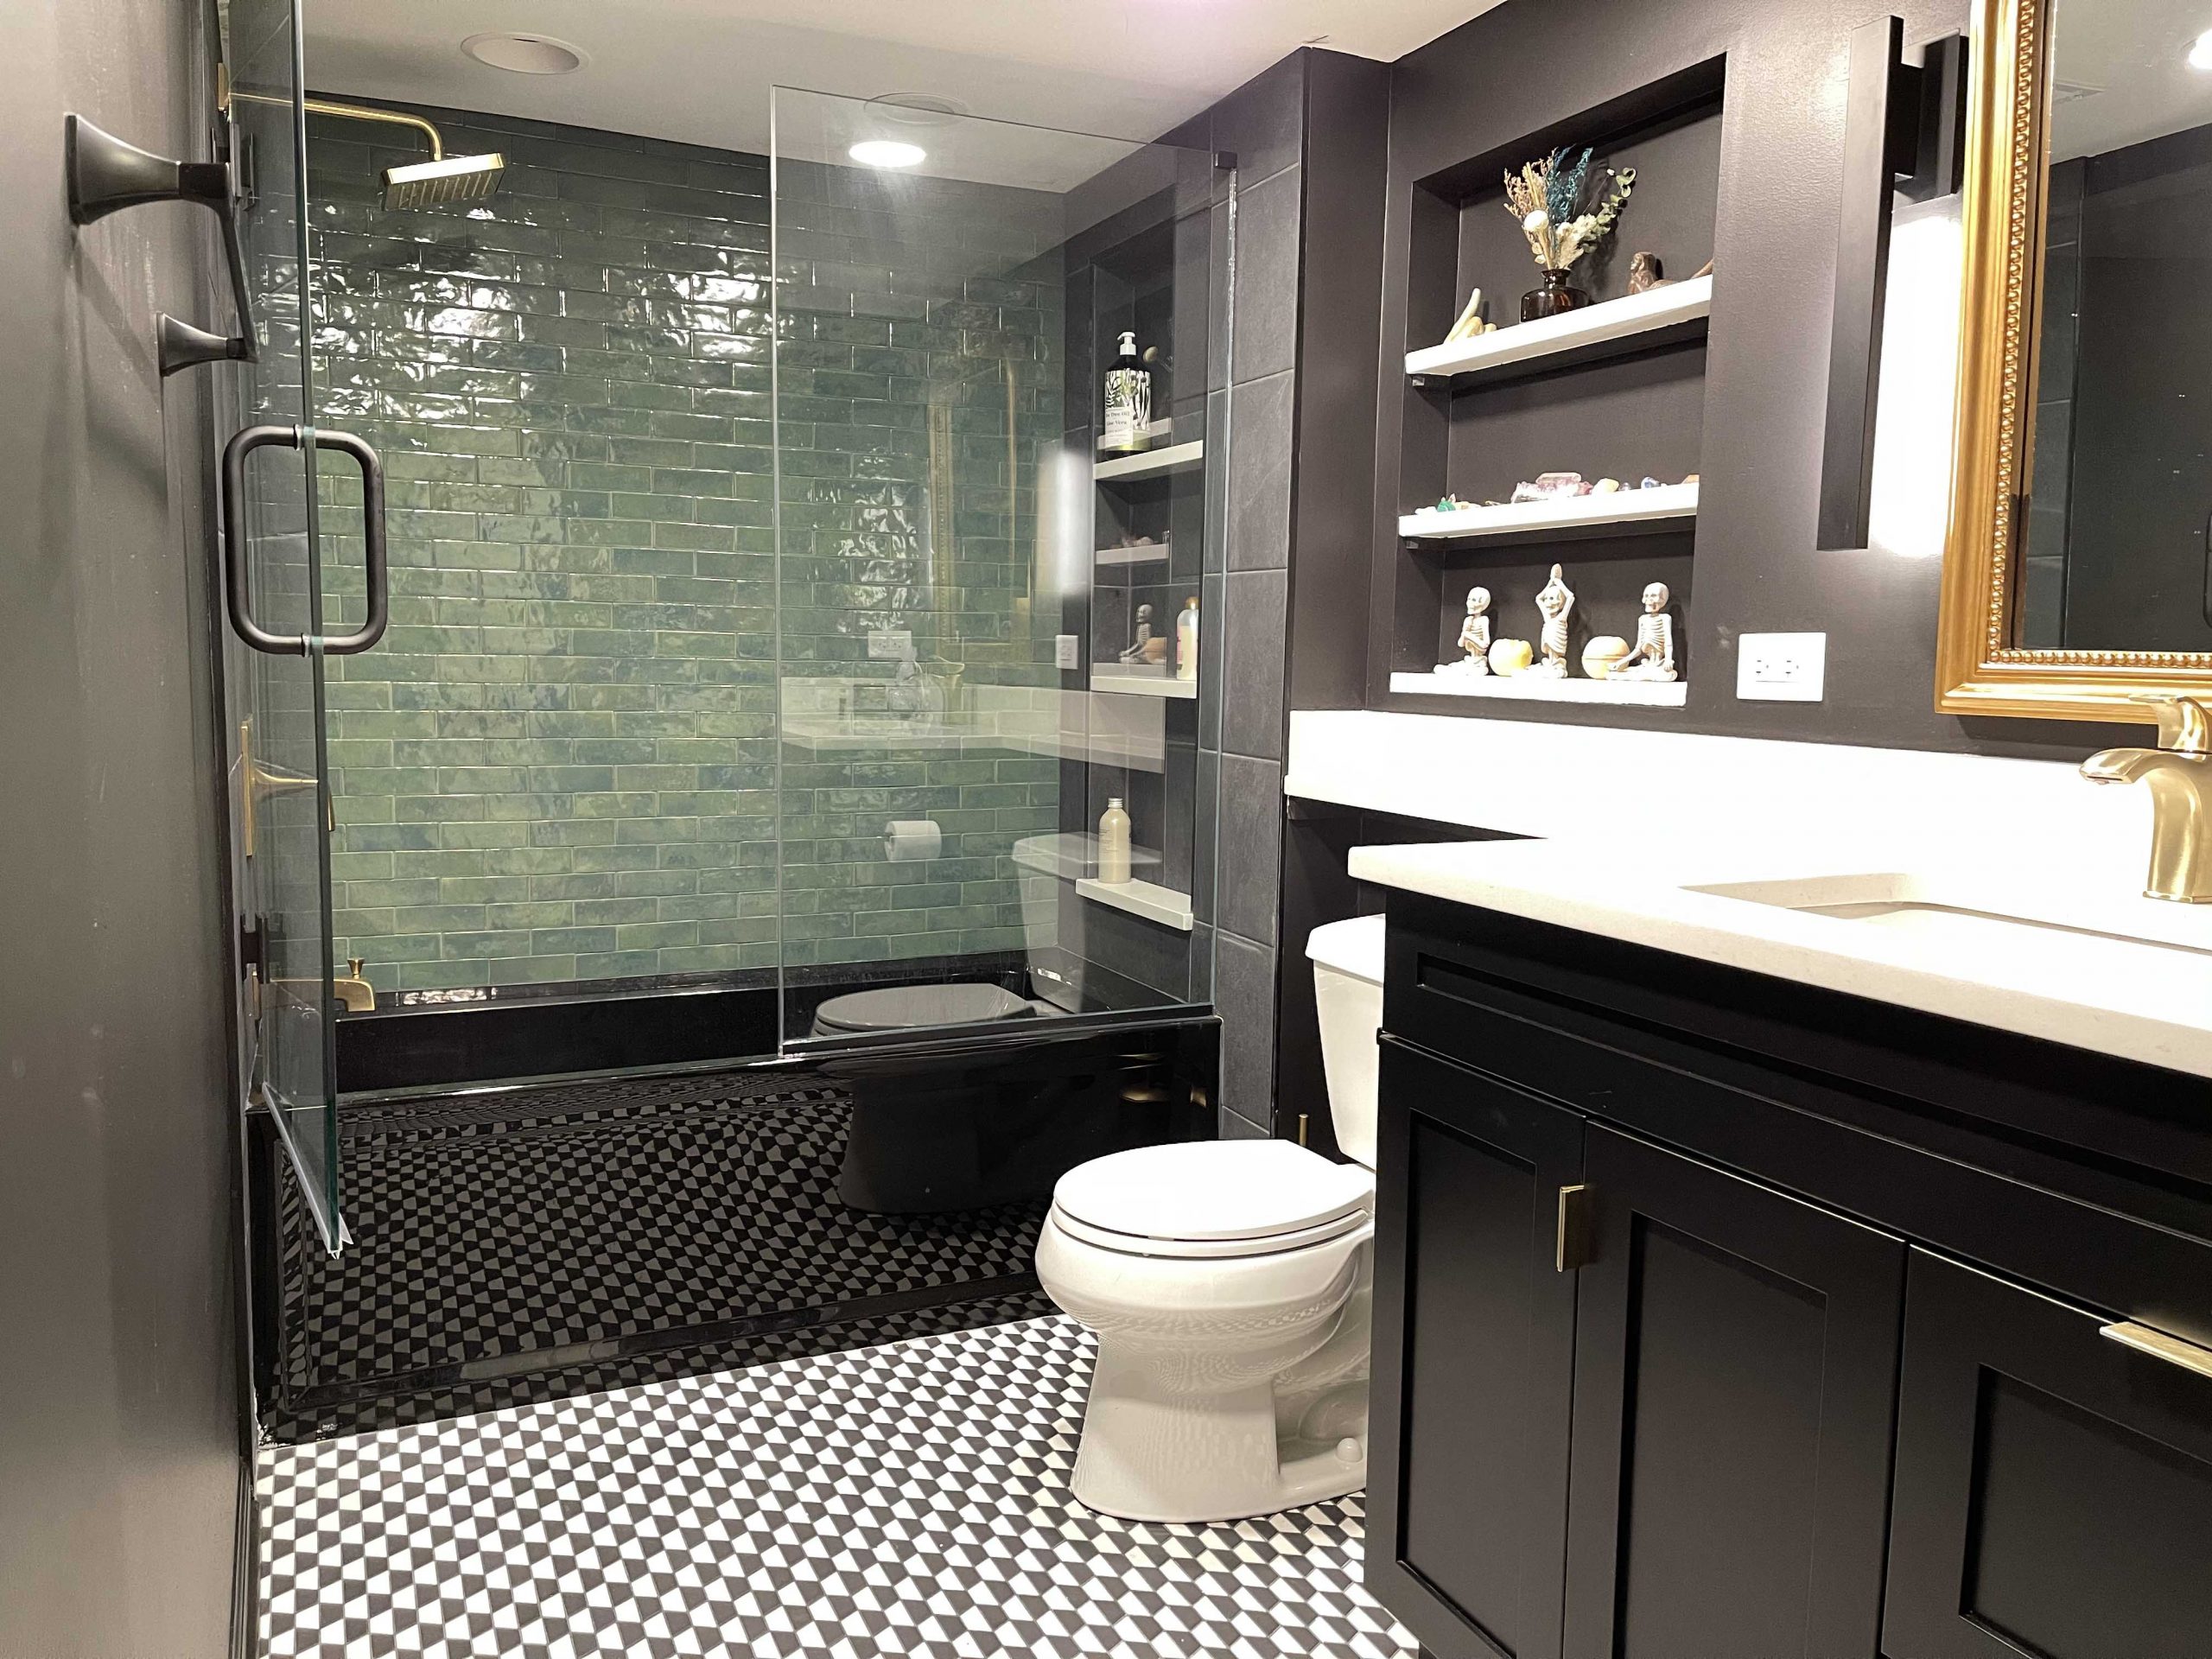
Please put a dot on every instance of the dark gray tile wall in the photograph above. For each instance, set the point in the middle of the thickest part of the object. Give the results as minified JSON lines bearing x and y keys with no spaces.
{"x":1242,"y":714}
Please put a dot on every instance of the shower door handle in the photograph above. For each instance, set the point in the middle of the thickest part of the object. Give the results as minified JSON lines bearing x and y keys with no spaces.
{"x":240,"y":603}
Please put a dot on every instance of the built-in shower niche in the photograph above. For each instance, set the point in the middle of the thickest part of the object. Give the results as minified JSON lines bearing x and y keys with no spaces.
{"x":1613,"y":391}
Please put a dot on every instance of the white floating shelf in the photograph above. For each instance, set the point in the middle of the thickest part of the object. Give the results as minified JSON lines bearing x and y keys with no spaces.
{"x":1152,"y":463}
{"x":1134,"y":553}
{"x":1588,"y":331}
{"x":1526,"y":687}
{"x":1146,"y":899}
{"x":1562,"y":512}
{"x":1141,"y":685}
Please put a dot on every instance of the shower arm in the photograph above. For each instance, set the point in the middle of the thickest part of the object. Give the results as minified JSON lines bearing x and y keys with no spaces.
{"x":344,"y":112}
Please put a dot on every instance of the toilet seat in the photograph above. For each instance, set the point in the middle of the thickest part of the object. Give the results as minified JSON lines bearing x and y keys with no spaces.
{"x":1210,"y":1199}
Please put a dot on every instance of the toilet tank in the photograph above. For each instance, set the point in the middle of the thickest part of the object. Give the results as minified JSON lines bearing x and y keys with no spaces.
{"x":1347,"y":959}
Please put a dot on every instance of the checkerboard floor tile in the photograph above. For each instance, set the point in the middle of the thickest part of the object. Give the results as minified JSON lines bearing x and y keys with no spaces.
{"x":909,"y":1499}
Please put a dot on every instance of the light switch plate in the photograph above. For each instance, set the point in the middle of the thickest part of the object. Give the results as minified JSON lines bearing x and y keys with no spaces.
{"x":1781,"y":667}
{"x":1067,"y":651}
{"x":890,"y":644}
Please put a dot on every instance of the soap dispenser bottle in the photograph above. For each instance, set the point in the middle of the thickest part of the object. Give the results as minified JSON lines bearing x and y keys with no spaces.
{"x":1186,"y":640}
{"x":1127,"y":427}
{"x":1114,"y":843}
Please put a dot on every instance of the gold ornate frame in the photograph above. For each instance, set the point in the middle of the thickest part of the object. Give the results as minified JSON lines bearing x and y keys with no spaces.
{"x":1978,"y":670}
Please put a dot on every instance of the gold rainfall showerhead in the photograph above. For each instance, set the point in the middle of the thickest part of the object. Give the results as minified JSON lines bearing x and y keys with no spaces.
{"x":442,"y":182}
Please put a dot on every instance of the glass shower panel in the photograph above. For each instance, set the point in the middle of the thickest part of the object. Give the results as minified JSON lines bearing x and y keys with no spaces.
{"x":977,"y":602}
{"x":281,"y":763}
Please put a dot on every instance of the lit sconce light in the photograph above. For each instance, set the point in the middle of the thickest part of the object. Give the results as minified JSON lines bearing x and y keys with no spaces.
{"x":2200,"y":55}
{"x":888,"y":152}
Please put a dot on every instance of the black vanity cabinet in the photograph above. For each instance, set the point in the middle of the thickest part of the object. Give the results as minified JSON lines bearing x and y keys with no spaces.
{"x":1718,"y":1318}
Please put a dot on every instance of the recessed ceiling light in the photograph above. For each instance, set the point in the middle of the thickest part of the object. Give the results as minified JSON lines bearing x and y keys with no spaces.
{"x":915,"y":109}
{"x":888,"y":152}
{"x":2200,"y":55}
{"x":525,"y":54}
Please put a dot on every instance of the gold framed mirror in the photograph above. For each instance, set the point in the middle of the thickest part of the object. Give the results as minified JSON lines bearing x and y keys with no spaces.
{"x":2077,"y":572}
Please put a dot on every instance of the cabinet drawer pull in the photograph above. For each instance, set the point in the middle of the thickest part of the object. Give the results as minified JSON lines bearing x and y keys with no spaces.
{"x":1572,"y":1247}
{"x":2156,"y":1343}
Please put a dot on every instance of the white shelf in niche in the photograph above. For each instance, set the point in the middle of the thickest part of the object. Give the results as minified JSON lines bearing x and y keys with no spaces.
{"x":1615,"y":324}
{"x":1135,"y":553}
{"x":1565,"y":512}
{"x":1146,"y":899}
{"x":1141,"y":685}
{"x":1152,"y":463}
{"x":1525,"y":688}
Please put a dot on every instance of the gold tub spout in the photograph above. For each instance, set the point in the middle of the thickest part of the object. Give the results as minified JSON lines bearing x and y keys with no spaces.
{"x":2179,"y":773}
{"x":353,"y":990}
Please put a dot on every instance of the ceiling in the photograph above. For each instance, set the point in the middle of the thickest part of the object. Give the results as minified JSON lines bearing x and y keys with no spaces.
{"x":699,"y":71}
{"x":2122,"y":73}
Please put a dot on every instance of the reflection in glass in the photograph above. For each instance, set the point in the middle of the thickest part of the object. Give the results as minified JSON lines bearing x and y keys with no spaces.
{"x":2115,"y":555}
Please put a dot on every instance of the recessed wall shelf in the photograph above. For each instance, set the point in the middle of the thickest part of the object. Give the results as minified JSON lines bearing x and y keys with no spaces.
{"x":1135,"y":553}
{"x":1152,"y":463}
{"x":1657,"y":317}
{"x":1146,"y":899}
{"x":1620,"y":508}
{"x":1141,"y":685}
{"x":1524,"y":688}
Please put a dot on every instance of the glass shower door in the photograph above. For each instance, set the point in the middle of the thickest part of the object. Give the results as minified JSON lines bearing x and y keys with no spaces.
{"x":280,"y":764}
{"x":978,"y":584}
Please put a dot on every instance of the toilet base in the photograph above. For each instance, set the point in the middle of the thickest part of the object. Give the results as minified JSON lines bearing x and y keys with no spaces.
{"x":1154,"y":1454}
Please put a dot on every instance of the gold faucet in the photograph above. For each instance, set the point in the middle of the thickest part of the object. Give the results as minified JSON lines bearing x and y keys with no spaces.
{"x":353,"y":989}
{"x":2179,"y":772}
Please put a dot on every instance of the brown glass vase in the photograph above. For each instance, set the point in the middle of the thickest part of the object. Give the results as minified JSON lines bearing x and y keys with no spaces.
{"x":1554,"y":297}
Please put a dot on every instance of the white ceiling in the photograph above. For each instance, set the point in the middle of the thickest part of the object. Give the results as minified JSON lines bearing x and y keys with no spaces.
{"x":2123,"y":74}
{"x":699,"y":71}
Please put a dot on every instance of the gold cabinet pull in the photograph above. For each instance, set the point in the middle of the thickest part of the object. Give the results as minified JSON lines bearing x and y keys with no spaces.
{"x":2145,"y":1340}
{"x":1571,"y":1248}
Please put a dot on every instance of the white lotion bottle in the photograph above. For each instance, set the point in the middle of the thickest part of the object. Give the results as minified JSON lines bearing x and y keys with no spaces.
{"x":1114,"y":843}
{"x":1186,"y":640}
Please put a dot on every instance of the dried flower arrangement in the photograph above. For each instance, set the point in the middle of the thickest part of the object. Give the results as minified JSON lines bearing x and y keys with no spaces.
{"x":1546,"y":196}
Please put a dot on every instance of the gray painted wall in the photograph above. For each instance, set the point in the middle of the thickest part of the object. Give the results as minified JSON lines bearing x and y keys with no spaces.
{"x":119,"y":1419}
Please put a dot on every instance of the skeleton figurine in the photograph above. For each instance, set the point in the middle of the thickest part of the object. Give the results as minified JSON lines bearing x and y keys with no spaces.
{"x":1474,"y":636}
{"x":1555,"y":604}
{"x":1135,"y":653}
{"x":1652,"y":657}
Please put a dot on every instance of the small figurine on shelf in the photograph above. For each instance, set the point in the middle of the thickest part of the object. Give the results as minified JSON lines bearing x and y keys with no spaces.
{"x":1140,"y":649}
{"x":1645,"y":273}
{"x":1471,"y":325}
{"x":1474,"y":637}
{"x":1652,"y":656}
{"x":1555,"y":604}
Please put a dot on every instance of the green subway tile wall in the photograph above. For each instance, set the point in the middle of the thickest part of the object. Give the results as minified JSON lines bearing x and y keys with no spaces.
{"x":561,"y":763}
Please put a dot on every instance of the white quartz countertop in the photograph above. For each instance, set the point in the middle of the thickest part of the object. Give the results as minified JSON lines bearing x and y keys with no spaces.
{"x":2099,"y":967}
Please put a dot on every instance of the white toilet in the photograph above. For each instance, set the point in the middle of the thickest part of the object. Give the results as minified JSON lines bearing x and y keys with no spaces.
{"x":1228,"y":1284}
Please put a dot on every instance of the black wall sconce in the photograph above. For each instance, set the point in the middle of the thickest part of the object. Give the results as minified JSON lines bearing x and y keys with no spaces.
{"x":1904,"y":135}
{"x":106,"y":176}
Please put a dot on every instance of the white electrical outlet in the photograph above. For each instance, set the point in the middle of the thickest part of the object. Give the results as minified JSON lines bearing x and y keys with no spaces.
{"x":1067,"y":651}
{"x":890,"y":644}
{"x":1781,"y":667}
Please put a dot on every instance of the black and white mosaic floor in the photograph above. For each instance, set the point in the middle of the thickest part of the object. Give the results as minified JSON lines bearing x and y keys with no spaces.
{"x":909,"y":1499}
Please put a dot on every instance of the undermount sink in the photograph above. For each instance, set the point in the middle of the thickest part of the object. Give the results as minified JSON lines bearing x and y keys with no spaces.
{"x":1982,"y":916}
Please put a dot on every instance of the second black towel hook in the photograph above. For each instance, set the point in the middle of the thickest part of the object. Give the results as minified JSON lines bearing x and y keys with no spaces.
{"x":106,"y":176}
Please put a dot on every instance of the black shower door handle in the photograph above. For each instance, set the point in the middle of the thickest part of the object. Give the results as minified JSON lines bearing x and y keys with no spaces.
{"x":243,"y":444}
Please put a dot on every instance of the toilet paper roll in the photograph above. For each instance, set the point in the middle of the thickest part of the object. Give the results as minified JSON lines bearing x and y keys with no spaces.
{"x":907,"y":840}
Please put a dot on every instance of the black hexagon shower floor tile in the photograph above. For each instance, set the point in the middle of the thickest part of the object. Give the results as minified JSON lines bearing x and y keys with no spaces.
{"x":910,"y":1499}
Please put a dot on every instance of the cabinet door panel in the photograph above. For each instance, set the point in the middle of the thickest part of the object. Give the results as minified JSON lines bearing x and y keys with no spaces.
{"x":1474,"y":1355}
{"x":1736,"y":1368}
{"x":2054,"y":1488}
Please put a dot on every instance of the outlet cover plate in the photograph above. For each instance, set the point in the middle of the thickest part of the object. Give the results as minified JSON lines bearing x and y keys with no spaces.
{"x":1781,"y":667}
{"x":890,"y":644}
{"x":1067,"y":651}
